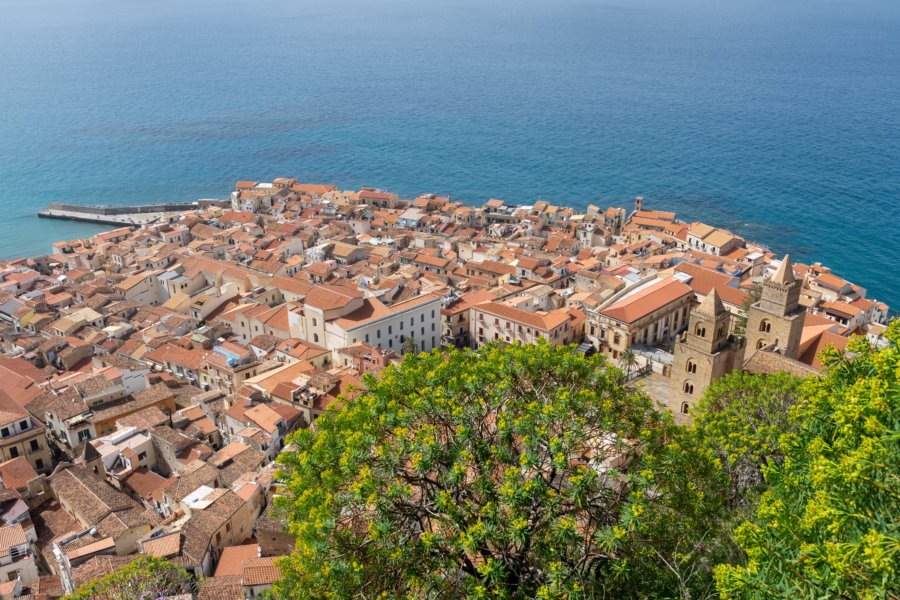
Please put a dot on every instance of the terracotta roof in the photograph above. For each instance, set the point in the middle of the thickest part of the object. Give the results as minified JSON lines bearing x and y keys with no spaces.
{"x":546,"y":321}
{"x":638,"y":305}
{"x":11,"y":535}
{"x":232,"y":560}
{"x":703,"y":280}
{"x":197,"y":473}
{"x":372,"y":309}
{"x":830,"y":281}
{"x":811,"y":355}
{"x":16,"y":473}
{"x":222,"y":588}
{"x":98,"y":566}
{"x":260,"y":571}
{"x":329,"y":297}
{"x":264,"y":417}
{"x":147,"y":418}
{"x":163,"y":546}
{"x":145,"y":483}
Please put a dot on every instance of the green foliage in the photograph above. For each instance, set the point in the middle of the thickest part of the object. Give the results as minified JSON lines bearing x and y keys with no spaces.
{"x":409,"y":345}
{"x":145,"y":578}
{"x":741,"y":418}
{"x":628,"y":361}
{"x":689,"y":496}
{"x":829,"y":524}
{"x":531,"y":471}
{"x":502,"y":473}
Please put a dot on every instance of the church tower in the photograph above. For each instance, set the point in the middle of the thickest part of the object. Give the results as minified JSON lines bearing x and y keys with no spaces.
{"x":703,"y":353}
{"x":777,"y":319}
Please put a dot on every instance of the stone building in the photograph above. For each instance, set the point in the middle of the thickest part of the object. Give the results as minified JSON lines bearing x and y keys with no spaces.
{"x":776,"y":320}
{"x":703,"y":353}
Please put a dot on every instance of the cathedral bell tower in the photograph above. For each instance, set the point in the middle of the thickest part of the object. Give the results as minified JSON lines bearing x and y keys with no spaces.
{"x":776,"y":321}
{"x":703,"y":353}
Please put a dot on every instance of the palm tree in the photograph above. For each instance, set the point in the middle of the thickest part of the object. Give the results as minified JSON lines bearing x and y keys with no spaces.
{"x":409,"y":345}
{"x":628,"y":361}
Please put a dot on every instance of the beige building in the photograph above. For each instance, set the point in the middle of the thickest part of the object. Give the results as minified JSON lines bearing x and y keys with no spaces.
{"x":649,"y":314}
{"x":22,"y":435}
{"x":494,"y":321}
{"x":703,"y":353}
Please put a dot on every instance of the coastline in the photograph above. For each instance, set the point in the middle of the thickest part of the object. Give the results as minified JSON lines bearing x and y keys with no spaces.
{"x":138,"y":212}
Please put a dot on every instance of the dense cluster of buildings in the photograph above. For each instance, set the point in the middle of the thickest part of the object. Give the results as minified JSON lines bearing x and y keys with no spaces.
{"x":151,"y":375}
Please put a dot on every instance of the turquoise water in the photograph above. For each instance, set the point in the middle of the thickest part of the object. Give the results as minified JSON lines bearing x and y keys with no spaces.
{"x":777,"y":118}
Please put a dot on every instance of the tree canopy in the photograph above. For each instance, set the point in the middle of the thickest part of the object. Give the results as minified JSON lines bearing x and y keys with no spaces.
{"x":533,"y":471}
{"x":501,"y":473}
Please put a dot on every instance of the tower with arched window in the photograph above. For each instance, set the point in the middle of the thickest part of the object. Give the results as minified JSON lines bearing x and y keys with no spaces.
{"x":776,"y":320}
{"x":703,"y":353}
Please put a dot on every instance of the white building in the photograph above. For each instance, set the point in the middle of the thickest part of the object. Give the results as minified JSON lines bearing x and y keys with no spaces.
{"x":336,"y":317}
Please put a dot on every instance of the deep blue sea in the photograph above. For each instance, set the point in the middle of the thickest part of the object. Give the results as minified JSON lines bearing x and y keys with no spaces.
{"x":779,"y":119}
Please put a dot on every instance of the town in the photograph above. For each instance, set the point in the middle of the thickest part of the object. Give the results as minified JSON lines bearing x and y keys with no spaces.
{"x":152,"y":374}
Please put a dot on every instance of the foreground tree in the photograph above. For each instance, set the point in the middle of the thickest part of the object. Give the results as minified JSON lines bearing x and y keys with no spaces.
{"x":829,"y":524}
{"x":146,"y":578}
{"x":628,"y":361}
{"x":689,"y":496}
{"x":502,"y":474}
{"x":741,"y":419}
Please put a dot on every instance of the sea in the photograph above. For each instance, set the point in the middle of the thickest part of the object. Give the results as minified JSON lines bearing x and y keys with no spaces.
{"x":777,"y":119}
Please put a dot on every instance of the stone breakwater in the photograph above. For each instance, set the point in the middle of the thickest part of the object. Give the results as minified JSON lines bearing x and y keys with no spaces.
{"x":121,"y":215}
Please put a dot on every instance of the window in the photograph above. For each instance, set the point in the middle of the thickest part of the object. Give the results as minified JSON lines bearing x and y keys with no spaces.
{"x":691,"y":366}
{"x":688,"y":387}
{"x":83,"y":435}
{"x":142,"y":456}
{"x":23,"y":425}
{"x":390,"y":330}
{"x":422,"y":318}
{"x":700,"y":331}
{"x":316,"y":338}
{"x":367,"y":338}
{"x":616,"y":339}
{"x":760,"y":344}
{"x":13,"y":452}
{"x":315,"y":323}
{"x":35,"y":446}
{"x":39,"y":464}
{"x":765,"y":326}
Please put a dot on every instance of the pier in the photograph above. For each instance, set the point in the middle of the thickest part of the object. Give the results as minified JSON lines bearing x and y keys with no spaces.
{"x":122,"y":215}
